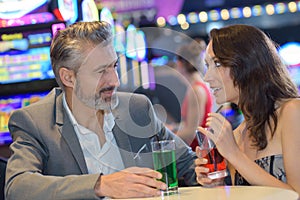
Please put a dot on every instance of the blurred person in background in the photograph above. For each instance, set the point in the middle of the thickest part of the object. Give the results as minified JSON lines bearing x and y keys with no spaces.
{"x":245,"y":68}
{"x":197,"y":102}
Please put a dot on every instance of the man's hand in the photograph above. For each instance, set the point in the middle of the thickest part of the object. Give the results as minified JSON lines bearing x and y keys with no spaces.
{"x":132,"y":182}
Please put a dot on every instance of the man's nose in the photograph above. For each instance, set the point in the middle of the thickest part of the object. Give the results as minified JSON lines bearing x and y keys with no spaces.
{"x":113,"y":78}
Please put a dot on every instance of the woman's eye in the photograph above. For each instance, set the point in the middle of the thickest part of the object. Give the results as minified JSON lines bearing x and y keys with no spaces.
{"x":217,"y":64}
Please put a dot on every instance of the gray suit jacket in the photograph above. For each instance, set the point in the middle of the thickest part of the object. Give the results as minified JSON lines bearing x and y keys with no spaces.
{"x":47,"y":160}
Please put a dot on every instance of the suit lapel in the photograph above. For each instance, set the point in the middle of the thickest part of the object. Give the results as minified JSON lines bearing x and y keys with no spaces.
{"x":68,"y":133}
{"x":134,"y":149}
{"x":123,"y":143}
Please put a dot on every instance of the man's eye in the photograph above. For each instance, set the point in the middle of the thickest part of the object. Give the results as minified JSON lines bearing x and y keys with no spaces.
{"x":100,"y":71}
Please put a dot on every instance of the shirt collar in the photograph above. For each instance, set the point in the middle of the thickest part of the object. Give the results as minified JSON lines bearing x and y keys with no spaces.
{"x":109,"y":119}
{"x":69,"y":113}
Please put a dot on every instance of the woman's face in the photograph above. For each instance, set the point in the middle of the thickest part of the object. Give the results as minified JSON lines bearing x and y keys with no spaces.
{"x":219,"y":79}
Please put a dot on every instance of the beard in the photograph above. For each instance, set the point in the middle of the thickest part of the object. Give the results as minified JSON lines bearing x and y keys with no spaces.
{"x":95,"y":101}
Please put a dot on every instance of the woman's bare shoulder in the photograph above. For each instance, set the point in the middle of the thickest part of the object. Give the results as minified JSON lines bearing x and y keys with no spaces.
{"x":289,"y":106}
{"x":289,"y":112}
{"x":239,"y":131}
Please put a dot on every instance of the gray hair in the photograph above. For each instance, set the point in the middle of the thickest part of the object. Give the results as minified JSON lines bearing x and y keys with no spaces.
{"x":70,"y":46}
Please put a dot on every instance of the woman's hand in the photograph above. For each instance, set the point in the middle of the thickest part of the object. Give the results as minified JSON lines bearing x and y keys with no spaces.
{"x":201,"y":172}
{"x":220,"y":131}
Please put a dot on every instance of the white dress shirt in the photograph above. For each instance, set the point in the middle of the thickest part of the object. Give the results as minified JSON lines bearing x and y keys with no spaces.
{"x":106,"y":159}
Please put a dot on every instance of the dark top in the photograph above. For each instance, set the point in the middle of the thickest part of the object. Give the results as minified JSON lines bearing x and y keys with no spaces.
{"x":272,"y":164}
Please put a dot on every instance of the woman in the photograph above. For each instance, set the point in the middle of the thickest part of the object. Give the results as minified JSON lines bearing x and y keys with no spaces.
{"x":244,"y":68}
{"x":197,"y":102}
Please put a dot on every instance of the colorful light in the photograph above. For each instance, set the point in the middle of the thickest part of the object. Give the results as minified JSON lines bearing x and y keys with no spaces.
{"x":270,"y":10}
{"x":130,"y":42}
{"x":123,"y":69}
{"x":247,"y":12}
{"x":225,"y":14}
{"x":257,"y":10}
{"x":292,"y":6}
{"x":105,"y":15}
{"x":235,"y":13}
{"x":172,"y":20}
{"x":16,"y":9}
{"x":89,"y":11}
{"x":161,"y":21}
{"x":68,"y":10}
{"x":185,"y":26}
{"x":203,"y":16}
{"x":290,"y":53}
{"x":145,"y":75}
{"x":181,"y":19}
{"x":119,"y":39}
{"x":280,"y":8}
{"x":136,"y":73}
{"x":214,"y":15}
{"x":140,"y":41}
{"x":35,"y":18}
{"x":192,"y":18}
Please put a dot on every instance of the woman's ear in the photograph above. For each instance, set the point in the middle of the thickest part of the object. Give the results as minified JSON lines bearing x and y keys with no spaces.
{"x":67,"y":77}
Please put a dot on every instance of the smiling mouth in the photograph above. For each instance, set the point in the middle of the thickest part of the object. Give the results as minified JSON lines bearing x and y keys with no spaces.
{"x":107,"y":90}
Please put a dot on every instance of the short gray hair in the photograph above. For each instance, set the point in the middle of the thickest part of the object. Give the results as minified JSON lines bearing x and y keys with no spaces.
{"x":69,"y":46}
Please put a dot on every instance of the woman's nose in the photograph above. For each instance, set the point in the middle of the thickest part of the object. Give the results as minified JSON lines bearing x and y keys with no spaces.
{"x":207,"y":76}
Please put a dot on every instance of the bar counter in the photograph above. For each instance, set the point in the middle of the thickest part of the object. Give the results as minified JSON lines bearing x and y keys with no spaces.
{"x":229,"y":193}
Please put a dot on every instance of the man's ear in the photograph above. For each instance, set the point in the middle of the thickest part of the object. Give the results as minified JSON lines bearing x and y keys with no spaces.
{"x":67,"y":77}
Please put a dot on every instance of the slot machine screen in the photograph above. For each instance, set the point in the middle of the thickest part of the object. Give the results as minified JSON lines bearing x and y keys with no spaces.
{"x":89,"y":11}
{"x":25,"y":52}
{"x":11,"y":103}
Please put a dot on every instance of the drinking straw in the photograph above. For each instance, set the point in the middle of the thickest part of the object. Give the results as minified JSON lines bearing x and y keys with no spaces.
{"x":215,"y":154}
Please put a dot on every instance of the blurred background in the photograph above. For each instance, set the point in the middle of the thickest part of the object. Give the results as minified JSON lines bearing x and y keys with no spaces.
{"x":147,"y":34}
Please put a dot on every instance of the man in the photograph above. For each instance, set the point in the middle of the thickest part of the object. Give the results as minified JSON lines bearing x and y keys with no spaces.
{"x":85,"y":140}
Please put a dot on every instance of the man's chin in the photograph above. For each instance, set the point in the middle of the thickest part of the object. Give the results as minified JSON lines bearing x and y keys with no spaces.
{"x":105,"y":107}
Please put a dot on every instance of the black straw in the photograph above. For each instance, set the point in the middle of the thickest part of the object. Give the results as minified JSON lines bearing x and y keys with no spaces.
{"x":219,"y":109}
{"x":215,"y":154}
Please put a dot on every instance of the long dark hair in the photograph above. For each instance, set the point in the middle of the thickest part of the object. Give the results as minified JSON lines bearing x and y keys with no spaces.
{"x":258,"y":72}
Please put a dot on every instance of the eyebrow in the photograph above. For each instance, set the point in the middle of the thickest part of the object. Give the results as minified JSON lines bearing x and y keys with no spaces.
{"x":212,"y":58}
{"x":103,"y":67}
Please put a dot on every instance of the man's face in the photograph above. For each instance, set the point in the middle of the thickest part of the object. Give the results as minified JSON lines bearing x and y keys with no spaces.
{"x":97,"y":78}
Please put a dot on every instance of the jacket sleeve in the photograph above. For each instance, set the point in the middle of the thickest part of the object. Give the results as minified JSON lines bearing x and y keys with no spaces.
{"x":25,"y":178}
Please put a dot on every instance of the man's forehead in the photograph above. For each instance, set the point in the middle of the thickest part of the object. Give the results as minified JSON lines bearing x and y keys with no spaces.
{"x":101,"y":55}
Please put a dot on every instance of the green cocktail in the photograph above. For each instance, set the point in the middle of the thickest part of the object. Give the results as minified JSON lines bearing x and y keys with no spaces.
{"x":164,"y":160}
